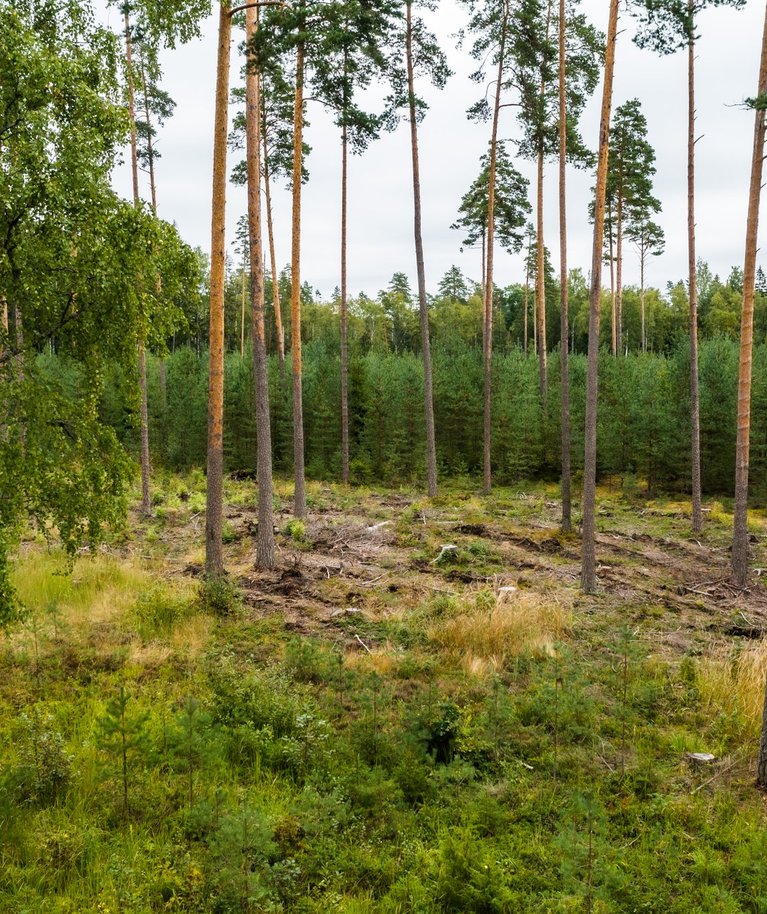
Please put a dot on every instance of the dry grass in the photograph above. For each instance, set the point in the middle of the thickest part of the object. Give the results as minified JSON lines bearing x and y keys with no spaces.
{"x":484,"y":635}
{"x":730,"y":678}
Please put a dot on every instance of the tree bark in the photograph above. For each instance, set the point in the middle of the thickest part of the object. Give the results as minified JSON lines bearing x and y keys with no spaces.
{"x":740,"y":542}
{"x":273,"y":255}
{"x":487,"y":304}
{"x":565,"y":298}
{"x":146,"y":497}
{"x":589,"y":577}
{"x":619,"y":276}
{"x":642,"y":300}
{"x":344,"y":315}
{"x":431,"y":444}
{"x":150,"y":148}
{"x":697,"y":506}
{"x":299,"y":500}
{"x":214,"y":560}
{"x":265,"y":540}
{"x":540,"y":289}
{"x":242,"y":312}
{"x":613,"y":297}
{"x":527,"y":298}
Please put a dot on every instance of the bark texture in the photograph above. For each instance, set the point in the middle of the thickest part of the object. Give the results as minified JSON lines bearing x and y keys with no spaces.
{"x":299,"y":498}
{"x":214,"y":559}
{"x":740,"y":541}
{"x":265,"y":538}
{"x":619,"y":276}
{"x":273,"y":254}
{"x":540,"y":288}
{"x":589,"y":570}
{"x":431,"y":444}
{"x":146,"y":496}
{"x":344,"y":309}
{"x":565,"y":298}
{"x":697,"y":504}
{"x":487,"y":302}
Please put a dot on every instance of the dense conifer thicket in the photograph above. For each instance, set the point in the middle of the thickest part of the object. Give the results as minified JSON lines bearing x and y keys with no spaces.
{"x":645,"y":405}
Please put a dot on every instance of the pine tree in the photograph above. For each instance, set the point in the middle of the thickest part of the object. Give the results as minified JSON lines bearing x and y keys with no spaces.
{"x":535,"y":77}
{"x":214,"y":558}
{"x":353,"y":53}
{"x":490,"y":22}
{"x":423,"y":59}
{"x":667,"y":26}
{"x":265,"y":538}
{"x":740,"y":540}
{"x":589,"y":569}
{"x":631,"y":166}
{"x":650,"y":241}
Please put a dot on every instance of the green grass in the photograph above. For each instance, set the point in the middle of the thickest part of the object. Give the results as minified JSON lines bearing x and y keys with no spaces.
{"x":275,"y":771}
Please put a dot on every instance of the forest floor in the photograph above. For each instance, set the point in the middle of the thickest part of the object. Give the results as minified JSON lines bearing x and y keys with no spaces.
{"x":417,"y":710}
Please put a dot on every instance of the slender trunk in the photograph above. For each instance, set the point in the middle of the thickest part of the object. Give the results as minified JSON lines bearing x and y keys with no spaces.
{"x":487,"y":304}
{"x":146,"y":497}
{"x":214,"y":560}
{"x":265,"y":542}
{"x":344,"y":315}
{"x":697,"y":507}
{"x":164,"y":407}
{"x":642,"y":301}
{"x":299,"y":502}
{"x":565,"y":298}
{"x":589,"y":572}
{"x":131,"y":107}
{"x":150,"y":148}
{"x":484,"y":262}
{"x":273,"y":254}
{"x":619,"y":276}
{"x":613,"y":300}
{"x":540,"y":288}
{"x":740,"y":544}
{"x":242,"y":311}
{"x":527,"y":297}
{"x":431,"y":445}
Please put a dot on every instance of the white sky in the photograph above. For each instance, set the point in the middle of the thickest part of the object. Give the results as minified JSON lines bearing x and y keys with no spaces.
{"x":380,"y":216}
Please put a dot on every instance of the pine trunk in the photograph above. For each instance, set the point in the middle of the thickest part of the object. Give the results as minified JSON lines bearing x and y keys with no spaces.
{"x":146,"y":497}
{"x":619,"y":276}
{"x":642,"y":301}
{"x":543,"y":365}
{"x":589,"y":571}
{"x":214,"y":559}
{"x":299,"y":501}
{"x":344,"y":314}
{"x":431,"y":445}
{"x":150,"y":148}
{"x":740,"y":543}
{"x":613,"y":297}
{"x":697,"y":506}
{"x":242,"y":311}
{"x":273,"y":255}
{"x":541,"y":289}
{"x":565,"y":298}
{"x":487,"y":303}
{"x":265,"y":542}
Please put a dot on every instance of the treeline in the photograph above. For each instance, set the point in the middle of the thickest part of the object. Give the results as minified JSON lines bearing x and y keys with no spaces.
{"x":389,"y":321}
{"x":644,"y":415}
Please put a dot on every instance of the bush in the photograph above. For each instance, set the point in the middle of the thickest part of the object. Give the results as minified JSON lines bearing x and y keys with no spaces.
{"x":220,"y":596}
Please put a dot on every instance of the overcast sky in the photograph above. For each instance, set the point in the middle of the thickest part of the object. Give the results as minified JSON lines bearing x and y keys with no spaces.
{"x":380,"y":215}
